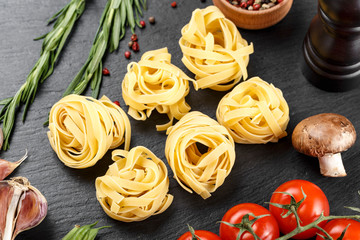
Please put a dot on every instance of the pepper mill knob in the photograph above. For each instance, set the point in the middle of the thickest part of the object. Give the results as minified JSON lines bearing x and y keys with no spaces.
{"x":332,"y":46}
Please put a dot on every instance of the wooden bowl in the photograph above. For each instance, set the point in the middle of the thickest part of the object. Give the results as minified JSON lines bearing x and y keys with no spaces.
{"x":254,"y":19}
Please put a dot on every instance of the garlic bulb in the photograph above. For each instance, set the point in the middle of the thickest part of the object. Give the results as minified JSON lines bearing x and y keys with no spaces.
{"x":22,"y":207}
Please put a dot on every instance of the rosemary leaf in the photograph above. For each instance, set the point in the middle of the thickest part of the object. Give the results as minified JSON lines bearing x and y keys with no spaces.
{"x":5,"y":101}
{"x":53,"y":43}
{"x":116,"y":15}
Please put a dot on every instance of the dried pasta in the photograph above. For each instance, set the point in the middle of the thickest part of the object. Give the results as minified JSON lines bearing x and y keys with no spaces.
{"x":214,"y":50}
{"x":135,"y":187}
{"x":154,"y":83}
{"x":82,"y":129}
{"x":201,"y":172}
{"x":254,"y":112}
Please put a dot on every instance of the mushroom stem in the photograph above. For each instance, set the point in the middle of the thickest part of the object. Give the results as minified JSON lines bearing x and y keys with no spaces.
{"x":331,"y":165}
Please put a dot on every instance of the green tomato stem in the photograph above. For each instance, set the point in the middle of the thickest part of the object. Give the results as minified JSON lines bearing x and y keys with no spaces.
{"x":325,"y":232}
{"x":314,"y":224}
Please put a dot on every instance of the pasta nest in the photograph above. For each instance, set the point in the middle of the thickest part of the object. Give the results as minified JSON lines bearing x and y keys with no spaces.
{"x":82,"y":129}
{"x":135,"y":187}
{"x":201,"y":172}
{"x":214,"y":50}
{"x":254,"y":112}
{"x":154,"y":83}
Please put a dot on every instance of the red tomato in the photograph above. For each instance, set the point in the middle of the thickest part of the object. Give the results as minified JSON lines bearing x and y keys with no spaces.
{"x":336,"y":227}
{"x":310,"y":210}
{"x":265,"y":228}
{"x":202,"y":234}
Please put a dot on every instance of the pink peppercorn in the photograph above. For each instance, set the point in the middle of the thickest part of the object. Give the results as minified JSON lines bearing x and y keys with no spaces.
{"x":256,"y":6}
{"x":135,"y":47}
{"x":173,"y":4}
{"x":250,"y":2}
{"x":127,"y":54}
{"x":134,"y":37}
{"x":106,"y":72}
{"x":243,"y":5}
{"x":117,"y":103}
{"x":142,"y":23}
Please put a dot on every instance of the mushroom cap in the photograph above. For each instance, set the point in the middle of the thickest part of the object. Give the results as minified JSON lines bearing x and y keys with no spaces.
{"x":323,"y":134}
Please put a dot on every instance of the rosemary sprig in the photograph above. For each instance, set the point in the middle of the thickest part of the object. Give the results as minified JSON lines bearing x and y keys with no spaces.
{"x":52,"y":45}
{"x":116,"y":16}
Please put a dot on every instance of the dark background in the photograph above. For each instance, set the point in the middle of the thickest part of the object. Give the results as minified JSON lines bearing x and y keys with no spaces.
{"x":258,"y":169}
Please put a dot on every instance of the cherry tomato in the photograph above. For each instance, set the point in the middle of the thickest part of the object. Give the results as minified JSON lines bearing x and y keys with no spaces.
{"x":202,"y":234}
{"x":310,"y":210}
{"x":266,"y":228}
{"x":337,"y":226}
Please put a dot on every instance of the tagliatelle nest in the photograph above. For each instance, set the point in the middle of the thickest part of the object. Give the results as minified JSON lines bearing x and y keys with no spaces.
{"x":214,"y":50}
{"x":82,"y":129}
{"x":135,"y":187}
{"x":254,"y":112}
{"x":154,"y":83}
{"x":200,"y":172}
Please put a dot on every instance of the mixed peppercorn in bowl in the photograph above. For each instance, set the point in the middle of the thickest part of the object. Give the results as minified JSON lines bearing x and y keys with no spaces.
{"x":254,"y":14}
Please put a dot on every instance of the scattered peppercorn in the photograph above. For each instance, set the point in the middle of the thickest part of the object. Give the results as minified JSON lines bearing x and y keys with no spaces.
{"x":142,"y":23}
{"x":106,"y":72}
{"x":127,"y":54}
{"x":151,"y":20}
{"x":173,"y":4}
{"x":130,"y":44}
{"x":134,"y":37}
{"x":135,"y":47}
{"x":117,"y":103}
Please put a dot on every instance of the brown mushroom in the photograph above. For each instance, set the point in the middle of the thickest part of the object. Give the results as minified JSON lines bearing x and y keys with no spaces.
{"x":325,"y":136}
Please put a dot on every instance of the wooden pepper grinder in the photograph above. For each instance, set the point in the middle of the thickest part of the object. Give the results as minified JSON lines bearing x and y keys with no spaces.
{"x":332,"y":46}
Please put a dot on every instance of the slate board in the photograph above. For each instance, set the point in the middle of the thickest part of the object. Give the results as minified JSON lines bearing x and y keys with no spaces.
{"x":258,"y":170}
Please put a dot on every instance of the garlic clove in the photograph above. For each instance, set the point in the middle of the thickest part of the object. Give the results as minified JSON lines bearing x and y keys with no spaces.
{"x":33,"y":209}
{"x":6,"y":167}
{"x":22,"y":207}
{"x":6,"y":193}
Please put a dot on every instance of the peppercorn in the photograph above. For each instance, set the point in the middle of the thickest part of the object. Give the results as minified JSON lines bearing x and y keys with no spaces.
{"x":173,"y":4}
{"x":106,"y":72}
{"x":127,"y":54}
{"x":135,"y":47}
{"x":117,"y":103}
{"x":130,"y":44}
{"x":142,"y":23}
{"x":134,"y":37}
{"x":151,"y":20}
{"x":256,"y":6}
{"x":250,"y":2}
{"x":243,"y":5}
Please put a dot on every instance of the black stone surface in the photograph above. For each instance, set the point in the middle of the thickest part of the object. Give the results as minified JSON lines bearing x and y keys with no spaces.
{"x":258,"y":170}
